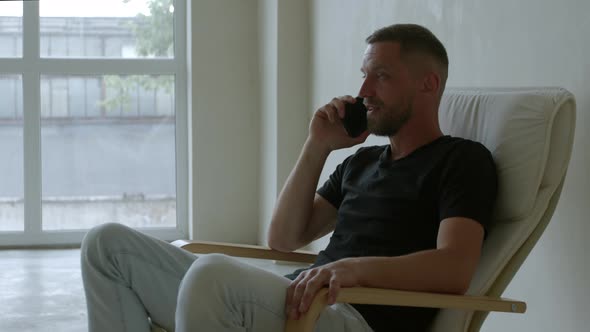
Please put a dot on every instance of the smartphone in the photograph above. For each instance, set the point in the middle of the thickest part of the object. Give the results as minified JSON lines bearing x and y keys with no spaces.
{"x":355,"y":118}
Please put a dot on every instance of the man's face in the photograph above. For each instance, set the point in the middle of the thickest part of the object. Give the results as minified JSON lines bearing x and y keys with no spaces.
{"x":388,"y":88}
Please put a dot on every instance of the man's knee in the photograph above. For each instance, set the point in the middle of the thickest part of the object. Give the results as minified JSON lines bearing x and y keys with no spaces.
{"x":207,"y":289}
{"x":209,"y":276}
{"x":102,"y":237}
{"x":212,"y":269}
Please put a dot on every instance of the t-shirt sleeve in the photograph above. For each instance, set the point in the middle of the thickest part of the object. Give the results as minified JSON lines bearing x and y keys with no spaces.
{"x":331,"y":190}
{"x":468,"y":185}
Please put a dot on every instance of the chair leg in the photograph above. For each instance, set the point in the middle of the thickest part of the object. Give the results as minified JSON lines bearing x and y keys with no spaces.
{"x":306,"y":322}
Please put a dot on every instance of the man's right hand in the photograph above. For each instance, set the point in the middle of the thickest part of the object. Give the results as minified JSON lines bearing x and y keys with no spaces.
{"x":301,"y":215}
{"x":326,"y":129}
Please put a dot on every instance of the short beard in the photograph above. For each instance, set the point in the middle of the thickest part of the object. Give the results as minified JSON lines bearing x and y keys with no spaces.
{"x":390,"y":122}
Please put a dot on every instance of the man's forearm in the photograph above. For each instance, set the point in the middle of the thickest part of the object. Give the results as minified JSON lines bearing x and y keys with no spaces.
{"x":294,"y":206}
{"x":436,"y":270}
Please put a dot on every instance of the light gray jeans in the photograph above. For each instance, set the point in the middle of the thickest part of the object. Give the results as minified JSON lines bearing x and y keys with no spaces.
{"x":131,"y":278}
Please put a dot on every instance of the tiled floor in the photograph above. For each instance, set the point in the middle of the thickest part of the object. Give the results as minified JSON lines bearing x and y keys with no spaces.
{"x":41,"y":290}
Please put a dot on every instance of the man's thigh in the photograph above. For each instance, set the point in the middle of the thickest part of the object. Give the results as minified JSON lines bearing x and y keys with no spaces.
{"x":222,"y":293}
{"x":341,"y":317}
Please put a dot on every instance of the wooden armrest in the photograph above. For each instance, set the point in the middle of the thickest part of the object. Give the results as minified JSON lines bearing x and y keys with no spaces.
{"x":359,"y":295}
{"x":362,"y":295}
{"x":245,"y":250}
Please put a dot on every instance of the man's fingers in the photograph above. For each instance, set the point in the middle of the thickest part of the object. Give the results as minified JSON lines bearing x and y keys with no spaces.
{"x":290,"y":306}
{"x":348,"y":99}
{"x":340,"y":104}
{"x":332,"y":113}
{"x":333,"y":290}
{"x":311,"y":288}
{"x":298,"y":292}
{"x":335,"y":110}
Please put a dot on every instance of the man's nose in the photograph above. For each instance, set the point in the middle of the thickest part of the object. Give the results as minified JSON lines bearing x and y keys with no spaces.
{"x":366,"y":89}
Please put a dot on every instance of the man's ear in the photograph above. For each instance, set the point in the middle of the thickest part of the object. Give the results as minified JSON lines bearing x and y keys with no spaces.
{"x":431,"y":83}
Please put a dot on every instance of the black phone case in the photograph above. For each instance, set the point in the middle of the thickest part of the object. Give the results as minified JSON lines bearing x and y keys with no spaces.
{"x":355,"y":118}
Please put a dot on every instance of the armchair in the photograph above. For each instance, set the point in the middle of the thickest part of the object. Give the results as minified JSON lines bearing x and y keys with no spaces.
{"x":530,"y":134}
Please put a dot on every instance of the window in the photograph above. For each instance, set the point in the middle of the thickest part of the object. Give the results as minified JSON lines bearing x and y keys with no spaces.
{"x":11,"y":147}
{"x":93,"y":119}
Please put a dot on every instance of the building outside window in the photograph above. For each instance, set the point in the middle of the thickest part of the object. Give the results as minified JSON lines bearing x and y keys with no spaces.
{"x":93,"y":119}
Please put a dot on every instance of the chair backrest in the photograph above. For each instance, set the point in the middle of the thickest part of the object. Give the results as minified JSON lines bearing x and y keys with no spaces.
{"x":530,"y":133}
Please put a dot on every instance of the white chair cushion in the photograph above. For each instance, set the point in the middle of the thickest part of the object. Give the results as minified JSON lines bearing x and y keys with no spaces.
{"x":529,"y":132}
{"x":514,"y":125}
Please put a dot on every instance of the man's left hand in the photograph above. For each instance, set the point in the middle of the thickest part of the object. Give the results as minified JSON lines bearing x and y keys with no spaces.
{"x":301,"y":292}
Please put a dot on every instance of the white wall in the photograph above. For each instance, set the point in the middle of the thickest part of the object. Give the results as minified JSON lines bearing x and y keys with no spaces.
{"x":284,"y":69}
{"x":249,"y":111}
{"x":492,"y":43}
{"x":268,"y":34}
{"x":225,"y":120}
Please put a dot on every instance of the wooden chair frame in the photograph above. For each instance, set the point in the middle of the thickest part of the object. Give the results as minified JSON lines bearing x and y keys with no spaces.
{"x":359,"y":295}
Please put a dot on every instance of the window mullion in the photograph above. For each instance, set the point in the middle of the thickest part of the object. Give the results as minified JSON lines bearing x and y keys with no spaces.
{"x":31,"y":119}
{"x":182,"y":121}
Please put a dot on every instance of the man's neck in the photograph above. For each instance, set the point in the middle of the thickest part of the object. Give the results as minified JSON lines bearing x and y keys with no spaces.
{"x":409,"y":139}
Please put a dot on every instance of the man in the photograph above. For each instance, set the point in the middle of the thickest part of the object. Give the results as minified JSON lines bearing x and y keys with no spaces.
{"x":408,"y":215}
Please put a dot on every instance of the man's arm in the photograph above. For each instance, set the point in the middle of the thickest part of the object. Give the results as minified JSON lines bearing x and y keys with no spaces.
{"x":300,"y":215}
{"x":446,"y":269}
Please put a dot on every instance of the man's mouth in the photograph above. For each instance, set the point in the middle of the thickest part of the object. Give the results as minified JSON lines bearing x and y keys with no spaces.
{"x":371,"y":108}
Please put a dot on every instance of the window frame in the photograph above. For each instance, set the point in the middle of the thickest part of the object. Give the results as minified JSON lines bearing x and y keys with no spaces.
{"x":32,"y":66}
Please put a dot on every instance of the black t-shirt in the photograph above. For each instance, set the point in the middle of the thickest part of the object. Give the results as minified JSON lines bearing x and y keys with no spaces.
{"x":393,"y":208}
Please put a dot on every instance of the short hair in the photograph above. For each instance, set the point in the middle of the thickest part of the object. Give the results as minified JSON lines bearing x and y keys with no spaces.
{"x":414,"y":38}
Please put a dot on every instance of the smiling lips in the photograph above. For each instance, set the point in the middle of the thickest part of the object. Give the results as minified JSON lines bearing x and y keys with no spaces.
{"x":371,"y":104}
{"x":371,"y":108}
